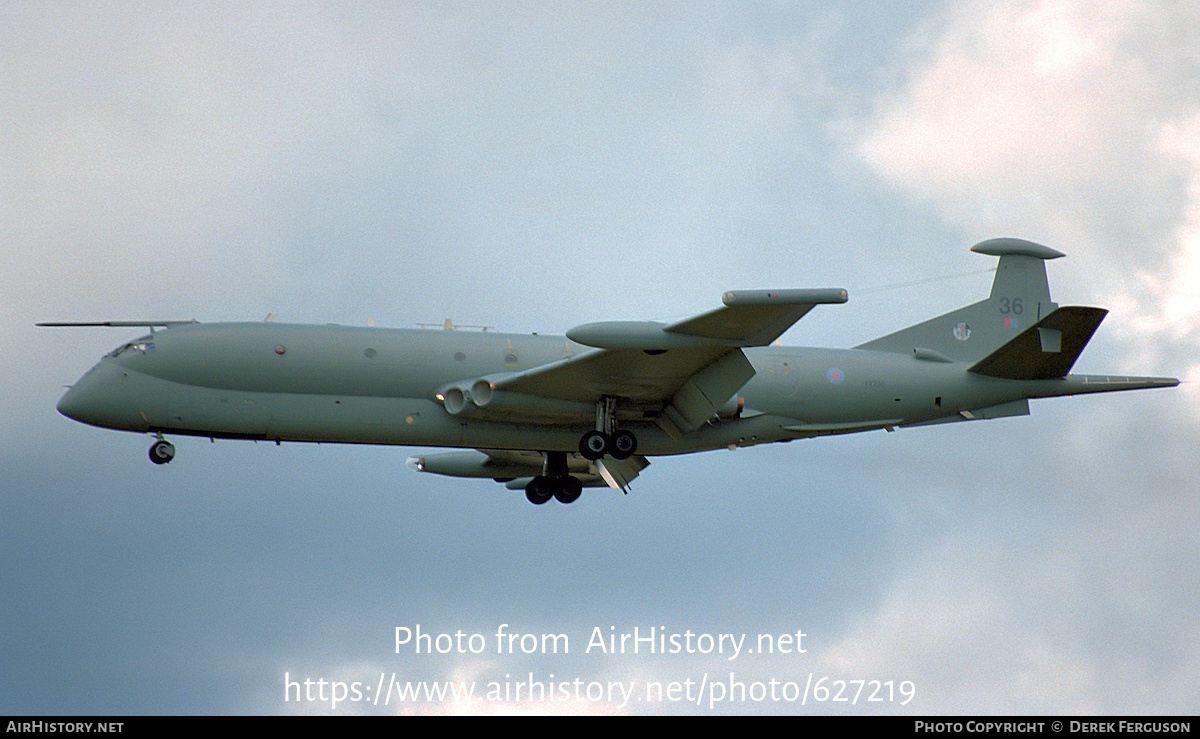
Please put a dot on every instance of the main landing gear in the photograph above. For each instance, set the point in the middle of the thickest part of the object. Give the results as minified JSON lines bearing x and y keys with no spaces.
{"x":596,"y":444}
{"x":556,"y":483}
{"x":162,"y":451}
{"x":607,"y":439}
{"x":564,"y":488}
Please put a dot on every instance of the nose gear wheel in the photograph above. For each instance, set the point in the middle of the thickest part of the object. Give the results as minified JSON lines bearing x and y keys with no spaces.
{"x":162,"y":451}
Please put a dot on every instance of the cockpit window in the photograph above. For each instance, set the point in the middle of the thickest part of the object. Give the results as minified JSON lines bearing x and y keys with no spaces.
{"x":143,"y":346}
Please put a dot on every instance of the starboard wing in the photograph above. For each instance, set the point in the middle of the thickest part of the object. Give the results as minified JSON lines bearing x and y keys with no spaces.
{"x":679,"y":374}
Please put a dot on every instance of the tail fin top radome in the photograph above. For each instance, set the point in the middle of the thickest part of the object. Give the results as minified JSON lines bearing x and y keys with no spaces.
{"x":1020,"y":298}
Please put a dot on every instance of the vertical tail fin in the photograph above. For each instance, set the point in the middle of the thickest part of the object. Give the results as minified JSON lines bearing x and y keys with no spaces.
{"x":1020,"y":297}
{"x":1046,"y":350}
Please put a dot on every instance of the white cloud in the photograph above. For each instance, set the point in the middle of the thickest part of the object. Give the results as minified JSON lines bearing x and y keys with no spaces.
{"x":1181,"y":291}
{"x":1066,"y":122}
{"x":1015,"y":103}
{"x":1074,"y":124}
{"x":1076,"y":619}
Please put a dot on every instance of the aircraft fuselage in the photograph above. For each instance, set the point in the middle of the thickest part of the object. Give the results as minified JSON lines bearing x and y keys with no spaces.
{"x":553,"y":414}
{"x":285,"y":382}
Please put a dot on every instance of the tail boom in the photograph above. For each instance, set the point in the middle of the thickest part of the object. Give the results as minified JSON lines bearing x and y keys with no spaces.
{"x":1084,"y":384}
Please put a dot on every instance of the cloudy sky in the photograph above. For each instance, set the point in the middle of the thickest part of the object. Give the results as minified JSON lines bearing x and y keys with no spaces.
{"x":533,"y":166}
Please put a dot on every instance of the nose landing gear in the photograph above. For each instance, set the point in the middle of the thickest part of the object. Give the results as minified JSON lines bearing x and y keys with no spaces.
{"x":162,"y":451}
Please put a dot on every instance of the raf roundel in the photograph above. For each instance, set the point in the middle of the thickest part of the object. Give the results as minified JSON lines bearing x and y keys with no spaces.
{"x":835,"y":376}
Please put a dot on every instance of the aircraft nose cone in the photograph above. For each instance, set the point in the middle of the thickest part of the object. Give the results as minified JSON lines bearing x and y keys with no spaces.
{"x":75,"y":405}
{"x":98,"y":399}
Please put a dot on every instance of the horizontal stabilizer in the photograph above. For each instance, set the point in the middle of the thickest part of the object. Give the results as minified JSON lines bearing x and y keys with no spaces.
{"x":1046,"y":350}
{"x":1084,"y":384}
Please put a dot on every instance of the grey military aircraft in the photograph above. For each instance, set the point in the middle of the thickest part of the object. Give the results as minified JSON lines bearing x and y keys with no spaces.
{"x":551,"y":415}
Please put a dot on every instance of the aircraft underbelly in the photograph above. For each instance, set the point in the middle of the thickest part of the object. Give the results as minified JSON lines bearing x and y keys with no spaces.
{"x":365,"y":420}
{"x":218,"y":412}
{"x":311,"y":418}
